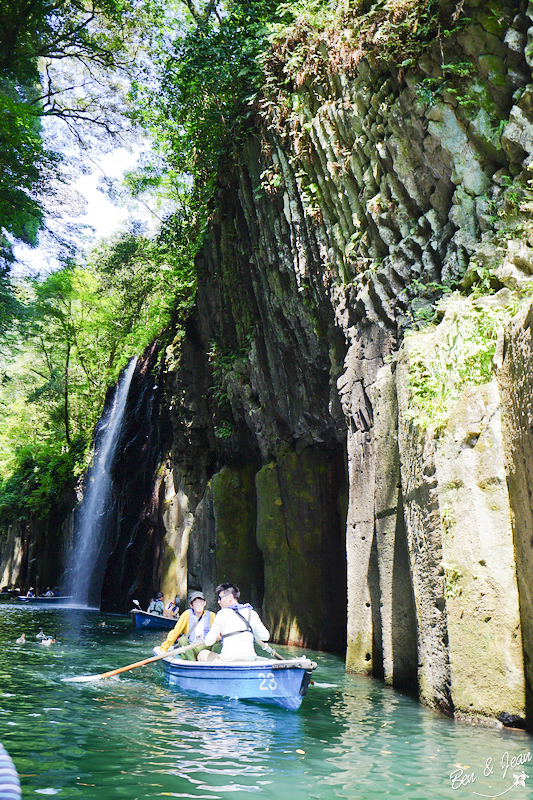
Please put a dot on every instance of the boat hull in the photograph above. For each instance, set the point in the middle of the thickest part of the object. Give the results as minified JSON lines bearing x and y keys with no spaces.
{"x":43,"y":599}
{"x":280,"y":683}
{"x":142,"y":619}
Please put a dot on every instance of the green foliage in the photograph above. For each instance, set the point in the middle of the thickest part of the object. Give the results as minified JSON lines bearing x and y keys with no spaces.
{"x":200,"y":106}
{"x":452,"y":82}
{"x":223,"y":364}
{"x":149,"y":281}
{"x":424,"y":298}
{"x":61,"y":60}
{"x":42,"y":476}
{"x":25,"y":167}
{"x":81,"y":326}
{"x":461,"y":356}
{"x":453,"y":583}
{"x":320,"y":36}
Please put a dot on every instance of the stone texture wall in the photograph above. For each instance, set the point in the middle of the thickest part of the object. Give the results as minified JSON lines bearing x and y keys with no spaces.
{"x":515,"y":378}
{"x":336,"y":230}
{"x":462,"y":557}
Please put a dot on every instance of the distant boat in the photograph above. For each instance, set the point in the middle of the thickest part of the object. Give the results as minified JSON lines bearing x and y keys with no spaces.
{"x":145,"y":619}
{"x":42,"y":598}
{"x":279,"y":683}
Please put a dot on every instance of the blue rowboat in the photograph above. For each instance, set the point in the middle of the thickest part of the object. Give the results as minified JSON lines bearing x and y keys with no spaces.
{"x":279,"y":683}
{"x":145,"y":619}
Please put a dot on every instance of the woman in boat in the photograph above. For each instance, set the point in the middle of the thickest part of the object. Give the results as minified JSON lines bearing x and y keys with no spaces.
{"x":237,"y":624}
{"x":172,"y":608}
{"x":31,"y":592}
{"x":193,"y":626}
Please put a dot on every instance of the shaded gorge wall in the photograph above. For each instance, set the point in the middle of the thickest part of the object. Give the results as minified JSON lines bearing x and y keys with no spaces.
{"x":314,"y":358}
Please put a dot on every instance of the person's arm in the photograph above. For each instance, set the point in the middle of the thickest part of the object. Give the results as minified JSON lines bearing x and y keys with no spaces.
{"x":214,"y":633}
{"x":180,"y":627}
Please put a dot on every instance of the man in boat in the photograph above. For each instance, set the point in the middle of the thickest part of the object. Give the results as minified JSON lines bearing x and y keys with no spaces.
{"x":192,"y":626}
{"x":156,"y":606}
{"x":237,"y":624}
{"x":31,"y":592}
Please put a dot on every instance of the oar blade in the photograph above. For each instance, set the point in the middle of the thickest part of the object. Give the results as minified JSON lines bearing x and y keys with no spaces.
{"x":82,"y":678}
{"x":175,"y":652}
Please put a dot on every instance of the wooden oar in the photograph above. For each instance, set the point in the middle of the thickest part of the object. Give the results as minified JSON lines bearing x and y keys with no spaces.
{"x":86,"y":678}
{"x":269,"y":649}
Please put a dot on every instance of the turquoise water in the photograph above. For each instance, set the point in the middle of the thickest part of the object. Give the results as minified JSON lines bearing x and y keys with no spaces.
{"x":133,"y":737}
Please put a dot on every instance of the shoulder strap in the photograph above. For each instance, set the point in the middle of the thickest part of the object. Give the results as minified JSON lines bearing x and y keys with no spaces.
{"x":246,"y":622}
{"x":195,"y":624}
{"x":248,"y":628}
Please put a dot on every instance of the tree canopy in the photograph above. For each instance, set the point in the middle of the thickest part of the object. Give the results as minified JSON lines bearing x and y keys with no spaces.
{"x":68,"y":60}
{"x":81,"y":325}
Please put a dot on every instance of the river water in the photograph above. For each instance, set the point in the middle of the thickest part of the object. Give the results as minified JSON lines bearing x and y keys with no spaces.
{"x":133,"y":737}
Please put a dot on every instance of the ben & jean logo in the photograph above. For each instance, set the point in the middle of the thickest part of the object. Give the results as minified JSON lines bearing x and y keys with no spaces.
{"x":510,"y":769}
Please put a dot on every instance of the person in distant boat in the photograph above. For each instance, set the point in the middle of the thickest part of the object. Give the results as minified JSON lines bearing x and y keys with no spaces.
{"x":30,"y":592}
{"x":156,"y":606}
{"x":237,"y":624}
{"x":49,"y":593}
{"x":172,"y":609}
{"x":192,"y":626}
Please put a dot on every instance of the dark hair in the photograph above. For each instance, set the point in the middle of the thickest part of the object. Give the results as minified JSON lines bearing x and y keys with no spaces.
{"x":159,"y":595}
{"x":228,"y":587}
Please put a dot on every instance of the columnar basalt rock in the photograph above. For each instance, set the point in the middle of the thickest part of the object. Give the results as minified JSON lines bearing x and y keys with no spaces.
{"x":342,"y":222}
{"x":482,"y":608}
{"x":398,"y":623}
{"x":424,"y":536}
{"x":515,"y":379}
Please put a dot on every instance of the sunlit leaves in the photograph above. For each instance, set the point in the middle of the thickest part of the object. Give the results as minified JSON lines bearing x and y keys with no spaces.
{"x":82,"y":325}
{"x":198,"y":110}
{"x":70,"y":60}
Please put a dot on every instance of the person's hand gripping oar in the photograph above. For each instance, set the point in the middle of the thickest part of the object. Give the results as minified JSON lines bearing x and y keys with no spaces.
{"x":87,"y":678}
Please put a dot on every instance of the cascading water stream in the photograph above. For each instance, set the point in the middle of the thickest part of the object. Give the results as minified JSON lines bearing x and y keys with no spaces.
{"x":86,"y":563}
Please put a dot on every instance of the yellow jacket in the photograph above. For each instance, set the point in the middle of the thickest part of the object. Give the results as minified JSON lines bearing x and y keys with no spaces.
{"x":182,"y":627}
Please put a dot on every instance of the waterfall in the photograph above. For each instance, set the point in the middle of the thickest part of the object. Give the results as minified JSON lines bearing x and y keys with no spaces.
{"x":86,"y":563}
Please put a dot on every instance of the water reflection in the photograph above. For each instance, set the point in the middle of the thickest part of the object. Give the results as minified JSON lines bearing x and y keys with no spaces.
{"x":133,"y":737}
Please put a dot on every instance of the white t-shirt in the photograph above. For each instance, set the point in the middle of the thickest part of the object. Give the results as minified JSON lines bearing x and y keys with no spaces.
{"x":240,"y":647}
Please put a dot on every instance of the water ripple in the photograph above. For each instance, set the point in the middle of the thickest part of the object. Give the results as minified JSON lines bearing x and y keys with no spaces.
{"x":137,"y":739}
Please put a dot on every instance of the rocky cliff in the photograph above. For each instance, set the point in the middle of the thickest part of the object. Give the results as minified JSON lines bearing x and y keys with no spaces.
{"x":348,"y":420}
{"x":339,"y":398}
